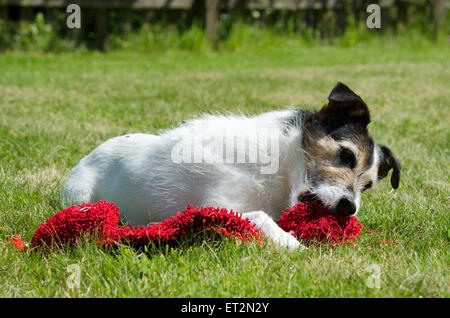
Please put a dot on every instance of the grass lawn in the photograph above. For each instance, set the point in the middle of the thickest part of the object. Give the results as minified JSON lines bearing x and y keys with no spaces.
{"x":55,"y":108}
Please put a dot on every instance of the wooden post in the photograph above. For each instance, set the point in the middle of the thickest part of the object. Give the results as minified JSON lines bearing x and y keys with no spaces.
{"x":341,"y":20}
{"x":101,"y":24}
{"x":3,"y":13}
{"x":357,"y":10}
{"x":51,"y":17}
{"x":439,"y":16}
{"x":212,"y":16}
{"x":125,"y":16}
{"x":402,"y":13}
{"x":26,"y":14}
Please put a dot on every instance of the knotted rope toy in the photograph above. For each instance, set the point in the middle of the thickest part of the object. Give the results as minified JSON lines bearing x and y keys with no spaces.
{"x":308,"y":222}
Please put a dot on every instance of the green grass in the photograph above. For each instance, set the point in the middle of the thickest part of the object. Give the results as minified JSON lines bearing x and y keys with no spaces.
{"x":55,"y":108}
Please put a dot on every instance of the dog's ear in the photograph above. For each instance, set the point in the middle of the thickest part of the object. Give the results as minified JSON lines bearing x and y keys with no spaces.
{"x":344,"y":107}
{"x":388,"y":162}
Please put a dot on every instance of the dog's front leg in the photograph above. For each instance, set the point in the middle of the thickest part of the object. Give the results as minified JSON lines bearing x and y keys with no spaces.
{"x":272,"y":231}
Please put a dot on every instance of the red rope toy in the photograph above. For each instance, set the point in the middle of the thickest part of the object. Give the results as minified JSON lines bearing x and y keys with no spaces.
{"x":309,"y":222}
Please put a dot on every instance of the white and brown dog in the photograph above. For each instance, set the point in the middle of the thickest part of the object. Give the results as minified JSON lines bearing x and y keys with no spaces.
{"x":257,"y":165}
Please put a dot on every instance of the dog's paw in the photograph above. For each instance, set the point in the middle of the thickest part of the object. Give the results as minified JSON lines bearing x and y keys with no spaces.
{"x":271,"y":230}
{"x":286,"y":240}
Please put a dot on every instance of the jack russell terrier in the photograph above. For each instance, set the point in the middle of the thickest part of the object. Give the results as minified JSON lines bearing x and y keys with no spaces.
{"x":257,"y":165}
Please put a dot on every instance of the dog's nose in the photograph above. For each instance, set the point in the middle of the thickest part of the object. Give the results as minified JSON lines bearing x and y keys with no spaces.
{"x":345,"y":207}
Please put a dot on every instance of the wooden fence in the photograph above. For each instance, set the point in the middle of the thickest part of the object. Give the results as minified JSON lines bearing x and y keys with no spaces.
{"x":211,"y":8}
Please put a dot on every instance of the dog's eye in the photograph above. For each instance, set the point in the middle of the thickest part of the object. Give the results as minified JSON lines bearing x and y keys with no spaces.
{"x":367,"y":186}
{"x":348,"y":158}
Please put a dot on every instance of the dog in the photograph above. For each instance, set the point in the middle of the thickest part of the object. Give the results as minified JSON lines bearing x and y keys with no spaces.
{"x":257,"y":165}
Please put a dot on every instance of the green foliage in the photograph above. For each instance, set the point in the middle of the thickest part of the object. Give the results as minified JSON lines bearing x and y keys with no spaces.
{"x":160,"y":31}
{"x":35,"y":35}
{"x":356,"y":33}
{"x":159,"y":39}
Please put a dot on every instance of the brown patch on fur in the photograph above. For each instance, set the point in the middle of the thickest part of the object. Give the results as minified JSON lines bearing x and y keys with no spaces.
{"x":322,"y":154}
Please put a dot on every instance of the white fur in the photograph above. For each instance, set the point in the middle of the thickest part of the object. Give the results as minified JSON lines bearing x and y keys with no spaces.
{"x":138,"y":173}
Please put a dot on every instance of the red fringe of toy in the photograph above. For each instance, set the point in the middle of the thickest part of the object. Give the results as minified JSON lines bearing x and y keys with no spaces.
{"x":309,"y":222}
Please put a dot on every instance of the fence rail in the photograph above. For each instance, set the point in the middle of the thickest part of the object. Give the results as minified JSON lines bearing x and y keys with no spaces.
{"x":186,"y":4}
{"x":107,"y":4}
{"x":211,"y":7}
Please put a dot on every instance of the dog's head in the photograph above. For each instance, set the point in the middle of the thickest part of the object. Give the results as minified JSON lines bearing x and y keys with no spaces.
{"x":341,"y":158}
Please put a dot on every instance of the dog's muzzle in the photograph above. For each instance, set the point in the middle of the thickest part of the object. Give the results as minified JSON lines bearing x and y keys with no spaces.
{"x":345,"y":206}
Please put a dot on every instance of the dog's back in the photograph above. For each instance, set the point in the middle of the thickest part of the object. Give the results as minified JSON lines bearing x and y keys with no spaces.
{"x":200,"y":163}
